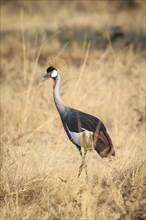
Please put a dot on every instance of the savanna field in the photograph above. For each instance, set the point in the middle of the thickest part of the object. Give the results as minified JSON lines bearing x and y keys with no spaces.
{"x":103,"y":44}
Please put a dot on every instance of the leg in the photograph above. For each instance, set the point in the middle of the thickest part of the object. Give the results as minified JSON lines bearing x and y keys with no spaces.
{"x":86,"y":140}
{"x":83,"y":164}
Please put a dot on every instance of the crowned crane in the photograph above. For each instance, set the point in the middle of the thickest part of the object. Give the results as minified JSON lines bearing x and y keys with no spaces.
{"x":84,"y":130}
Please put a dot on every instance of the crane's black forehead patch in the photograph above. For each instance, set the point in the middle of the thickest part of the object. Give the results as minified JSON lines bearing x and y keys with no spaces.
{"x":50,"y":69}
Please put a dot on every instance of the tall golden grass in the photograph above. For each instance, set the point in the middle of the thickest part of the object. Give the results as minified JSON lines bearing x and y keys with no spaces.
{"x":39,"y":165}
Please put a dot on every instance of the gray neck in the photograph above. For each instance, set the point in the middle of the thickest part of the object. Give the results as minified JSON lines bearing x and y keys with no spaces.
{"x":58,"y":102}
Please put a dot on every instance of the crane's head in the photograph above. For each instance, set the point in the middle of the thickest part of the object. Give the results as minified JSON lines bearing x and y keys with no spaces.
{"x":51,"y":72}
{"x":56,"y":65}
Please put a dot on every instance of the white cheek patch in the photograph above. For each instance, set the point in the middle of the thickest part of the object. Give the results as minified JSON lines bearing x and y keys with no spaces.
{"x":54,"y":73}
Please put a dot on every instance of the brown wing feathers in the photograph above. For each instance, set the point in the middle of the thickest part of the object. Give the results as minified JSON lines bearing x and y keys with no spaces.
{"x":103,"y":144}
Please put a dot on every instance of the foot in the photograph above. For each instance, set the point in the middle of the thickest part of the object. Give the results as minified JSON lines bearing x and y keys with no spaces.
{"x":83,"y":166}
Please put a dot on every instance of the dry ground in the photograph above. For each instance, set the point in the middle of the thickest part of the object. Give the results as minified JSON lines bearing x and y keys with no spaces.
{"x":39,"y":165}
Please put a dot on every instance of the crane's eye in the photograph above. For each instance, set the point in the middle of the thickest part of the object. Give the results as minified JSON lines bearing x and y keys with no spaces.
{"x":54,"y":74}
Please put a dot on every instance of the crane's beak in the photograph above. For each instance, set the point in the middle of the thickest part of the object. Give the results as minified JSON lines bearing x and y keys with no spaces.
{"x":45,"y":75}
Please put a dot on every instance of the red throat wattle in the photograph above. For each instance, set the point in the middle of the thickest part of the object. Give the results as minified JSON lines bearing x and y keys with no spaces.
{"x":54,"y":84}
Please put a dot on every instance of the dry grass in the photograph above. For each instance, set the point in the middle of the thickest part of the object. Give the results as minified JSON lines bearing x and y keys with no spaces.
{"x":39,"y":165}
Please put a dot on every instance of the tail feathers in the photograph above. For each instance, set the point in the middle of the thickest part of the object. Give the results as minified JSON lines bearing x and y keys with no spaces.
{"x":103,"y":145}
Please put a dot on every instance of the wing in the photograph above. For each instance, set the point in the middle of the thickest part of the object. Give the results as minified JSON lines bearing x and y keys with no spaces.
{"x":78,"y":121}
{"x":103,"y":144}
